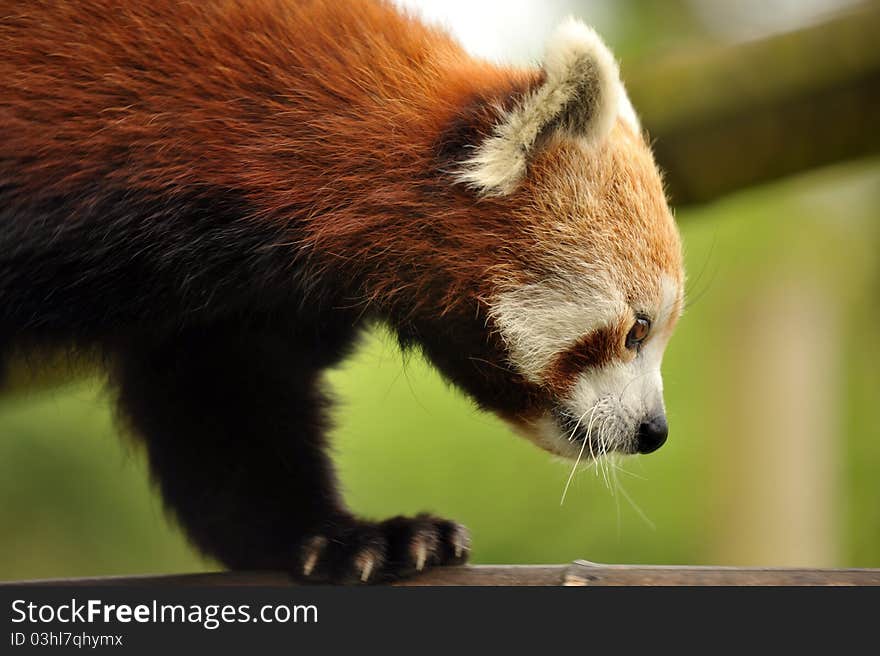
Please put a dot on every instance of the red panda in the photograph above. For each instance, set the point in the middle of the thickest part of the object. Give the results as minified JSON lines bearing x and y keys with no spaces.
{"x":219,"y":196}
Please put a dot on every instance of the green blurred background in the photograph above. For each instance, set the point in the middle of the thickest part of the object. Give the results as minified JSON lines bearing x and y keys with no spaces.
{"x":772,"y":388}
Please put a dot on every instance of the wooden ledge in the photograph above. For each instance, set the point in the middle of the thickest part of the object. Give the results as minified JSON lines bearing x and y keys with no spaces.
{"x":578,"y":573}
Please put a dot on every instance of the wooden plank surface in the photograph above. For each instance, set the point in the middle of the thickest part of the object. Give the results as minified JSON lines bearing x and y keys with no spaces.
{"x":591,"y":574}
{"x":579,"y":573}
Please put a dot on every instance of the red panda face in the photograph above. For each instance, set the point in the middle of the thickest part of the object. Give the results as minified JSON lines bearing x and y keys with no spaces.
{"x":586,"y":313}
{"x":598,"y":297}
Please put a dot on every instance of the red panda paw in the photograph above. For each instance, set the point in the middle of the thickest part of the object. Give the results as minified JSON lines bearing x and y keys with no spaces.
{"x":356,"y":552}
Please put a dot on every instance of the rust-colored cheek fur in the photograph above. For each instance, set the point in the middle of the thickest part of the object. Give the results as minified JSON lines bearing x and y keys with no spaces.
{"x":599,"y":348}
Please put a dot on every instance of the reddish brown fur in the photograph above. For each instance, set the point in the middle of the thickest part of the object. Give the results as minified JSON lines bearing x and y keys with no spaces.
{"x":169,"y":96}
{"x":153,"y":153}
{"x":357,"y":159}
{"x":612,"y":206}
{"x":201,"y":93}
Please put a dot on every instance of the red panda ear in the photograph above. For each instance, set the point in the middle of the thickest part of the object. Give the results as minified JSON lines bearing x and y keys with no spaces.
{"x":578,"y":97}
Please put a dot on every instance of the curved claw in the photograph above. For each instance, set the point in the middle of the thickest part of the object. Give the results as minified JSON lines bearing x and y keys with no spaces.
{"x":366,"y":564}
{"x":461,"y":541}
{"x":312,"y":552}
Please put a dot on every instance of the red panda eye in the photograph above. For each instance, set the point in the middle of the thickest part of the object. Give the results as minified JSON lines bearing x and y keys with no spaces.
{"x":638,"y":333}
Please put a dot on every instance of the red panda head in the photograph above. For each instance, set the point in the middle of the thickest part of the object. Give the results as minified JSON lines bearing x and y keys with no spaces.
{"x":584,"y":284}
{"x":511,"y":223}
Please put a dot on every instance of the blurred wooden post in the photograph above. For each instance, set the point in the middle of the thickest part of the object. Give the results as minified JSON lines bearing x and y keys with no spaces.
{"x":777,"y":450}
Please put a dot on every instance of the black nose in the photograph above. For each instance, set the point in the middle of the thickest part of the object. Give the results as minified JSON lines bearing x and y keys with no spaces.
{"x":652,"y":434}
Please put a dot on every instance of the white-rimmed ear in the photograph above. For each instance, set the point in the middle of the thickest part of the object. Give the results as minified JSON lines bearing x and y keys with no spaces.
{"x":578,"y":96}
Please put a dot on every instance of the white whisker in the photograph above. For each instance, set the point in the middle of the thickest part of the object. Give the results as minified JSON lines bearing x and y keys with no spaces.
{"x":638,"y":510}
{"x":592,"y":412}
{"x":614,"y":493}
{"x":603,"y":451}
{"x":627,"y":472}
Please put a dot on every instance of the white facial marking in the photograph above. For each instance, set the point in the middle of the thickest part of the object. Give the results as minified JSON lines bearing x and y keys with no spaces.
{"x":613,"y":400}
{"x":635,"y":387}
{"x":539,"y":321}
{"x":544,"y":432}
